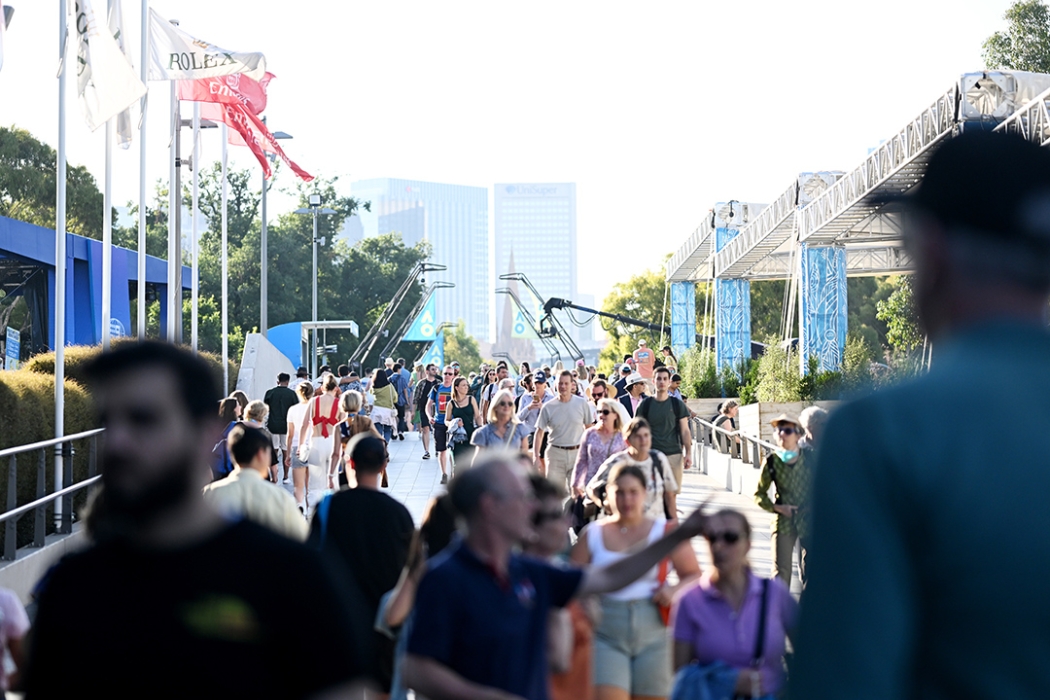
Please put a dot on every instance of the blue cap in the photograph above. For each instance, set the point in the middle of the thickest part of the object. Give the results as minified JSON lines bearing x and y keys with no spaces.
{"x":539,"y":376}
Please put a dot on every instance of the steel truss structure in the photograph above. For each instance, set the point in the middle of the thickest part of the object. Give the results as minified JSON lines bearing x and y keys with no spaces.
{"x":849,"y":212}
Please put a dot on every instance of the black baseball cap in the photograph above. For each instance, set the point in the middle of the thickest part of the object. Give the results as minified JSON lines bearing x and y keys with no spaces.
{"x":992,"y":183}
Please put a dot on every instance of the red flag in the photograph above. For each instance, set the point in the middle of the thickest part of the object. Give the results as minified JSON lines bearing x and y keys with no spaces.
{"x":258,"y":138}
{"x":237,"y":100}
{"x":237,"y":89}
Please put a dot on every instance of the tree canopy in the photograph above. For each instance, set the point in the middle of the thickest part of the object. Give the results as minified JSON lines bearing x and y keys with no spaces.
{"x":1025,"y":43}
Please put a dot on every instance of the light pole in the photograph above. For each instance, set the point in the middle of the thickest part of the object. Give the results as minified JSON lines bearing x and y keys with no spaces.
{"x":264,"y":301}
{"x":315,"y":209}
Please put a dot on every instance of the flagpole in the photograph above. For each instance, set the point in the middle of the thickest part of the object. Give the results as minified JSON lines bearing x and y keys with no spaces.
{"x":140,"y":294}
{"x":60,"y":257}
{"x":173,"y":216}
{"x":225,"y":270}
{"x":193,"y":217}
{"x":107,"y":238}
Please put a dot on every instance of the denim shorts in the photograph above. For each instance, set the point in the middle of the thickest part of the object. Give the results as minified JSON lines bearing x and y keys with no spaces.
{"x":632,"y":648}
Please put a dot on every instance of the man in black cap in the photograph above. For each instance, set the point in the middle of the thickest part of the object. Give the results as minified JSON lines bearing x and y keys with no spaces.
{"x":911,"y":495}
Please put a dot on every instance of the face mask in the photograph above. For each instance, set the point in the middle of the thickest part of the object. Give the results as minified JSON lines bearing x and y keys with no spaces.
{"x":786,"y":455}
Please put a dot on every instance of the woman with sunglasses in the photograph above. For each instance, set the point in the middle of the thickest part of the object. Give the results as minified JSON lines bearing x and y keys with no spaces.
{"x":600,"y":442}
{"x":717,"y":623}
{"x":786,"y":468}
{"x":631,"y":653}
{"x":504,"y":430}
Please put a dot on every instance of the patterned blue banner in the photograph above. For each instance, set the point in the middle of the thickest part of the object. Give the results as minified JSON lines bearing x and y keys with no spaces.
{"x":823,"y":316}
{"x":424,"y":327}
{"x":683,"y":316}
{"x":435,"y":354}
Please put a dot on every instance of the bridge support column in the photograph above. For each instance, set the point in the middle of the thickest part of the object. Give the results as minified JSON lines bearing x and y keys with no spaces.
{"x":823,"y":313}
{"x":732,"y":296}
{"x":683,"y":316}
{"x":732,"y":323}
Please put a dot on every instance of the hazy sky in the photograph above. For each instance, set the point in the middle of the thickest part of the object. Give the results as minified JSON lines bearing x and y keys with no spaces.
{"x":655,"y":110}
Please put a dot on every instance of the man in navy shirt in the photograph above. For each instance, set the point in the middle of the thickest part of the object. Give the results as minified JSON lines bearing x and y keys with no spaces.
{"x":480,"y":629}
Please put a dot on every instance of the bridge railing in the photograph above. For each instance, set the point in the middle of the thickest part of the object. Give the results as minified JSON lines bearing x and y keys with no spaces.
{"x":747,"y":448}
{"x":43,"y":500}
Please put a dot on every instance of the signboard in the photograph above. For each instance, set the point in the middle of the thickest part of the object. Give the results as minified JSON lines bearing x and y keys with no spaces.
{"x":14,"y":348}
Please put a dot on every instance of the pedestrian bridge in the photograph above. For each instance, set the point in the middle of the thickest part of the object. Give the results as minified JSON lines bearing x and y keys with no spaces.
{"x":826,"y":226}
{"x":720,"y":480}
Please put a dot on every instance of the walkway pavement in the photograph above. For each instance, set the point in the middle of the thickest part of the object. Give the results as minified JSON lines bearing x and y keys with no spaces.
{"x":415,"y":481}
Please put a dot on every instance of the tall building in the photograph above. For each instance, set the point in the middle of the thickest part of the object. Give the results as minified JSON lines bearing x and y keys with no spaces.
{"x":535,"y":231}
{"x":454,"y":219}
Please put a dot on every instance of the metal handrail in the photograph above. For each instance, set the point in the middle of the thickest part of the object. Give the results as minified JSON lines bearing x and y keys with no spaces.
{"x":751,"y":447}
{"x":13,"y":512}
{"x":48,"y":443}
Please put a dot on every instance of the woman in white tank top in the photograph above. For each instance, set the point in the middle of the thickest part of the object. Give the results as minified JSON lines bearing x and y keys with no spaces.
{"x":631,"y":652}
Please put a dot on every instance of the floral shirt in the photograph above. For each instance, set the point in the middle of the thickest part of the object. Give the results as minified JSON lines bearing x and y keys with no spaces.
{"x":593,"y":452}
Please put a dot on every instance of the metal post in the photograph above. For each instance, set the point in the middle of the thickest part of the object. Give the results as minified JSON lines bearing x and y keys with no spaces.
{"x":144,"y":74}
{"x":263,"y":272}
{"x":107,"y":238}
{"x":40,"y":513}
{"x":67,"y":500}
{"x":225,"y":273}
{"x":313,"y":358}
{"x":173,"y":207}
{"x":60,"y":260}
{"x":193,"y":216}
{"x":11,"y":526}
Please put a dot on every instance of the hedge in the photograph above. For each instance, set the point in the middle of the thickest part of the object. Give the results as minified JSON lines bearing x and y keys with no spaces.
{"x":77,"y":357}
{"x":27,"y":415}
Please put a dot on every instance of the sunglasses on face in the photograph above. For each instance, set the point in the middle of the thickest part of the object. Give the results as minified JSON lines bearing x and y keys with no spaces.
{"x":450,"y":374}
{"x":786,"y":430}
{"x":729,"y":537}
{"x":598,"y":396}
{"x":605,"y":412}
{"x":505,"y":403}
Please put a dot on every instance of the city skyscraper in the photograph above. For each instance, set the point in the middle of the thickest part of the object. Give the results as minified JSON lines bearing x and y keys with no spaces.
{"x":454,"y":219}
{"x":535,"y":225}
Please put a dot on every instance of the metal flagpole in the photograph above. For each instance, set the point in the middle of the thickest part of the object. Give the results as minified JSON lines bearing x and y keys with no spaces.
{"x":60,"y":256}
{"x":144,"y":74}
{"x":107,"y":238}
{"x":225,"y":271}
{"x":174,"y":300}
{"x":193,"y":217}
{"x":263,"y":271}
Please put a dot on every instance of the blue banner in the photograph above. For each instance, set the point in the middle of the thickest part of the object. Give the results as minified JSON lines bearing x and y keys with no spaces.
{"x":424,"y":327}
{"x":435,"y":354}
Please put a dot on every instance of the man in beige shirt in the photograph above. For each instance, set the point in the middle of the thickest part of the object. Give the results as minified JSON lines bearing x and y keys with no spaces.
{"x":246,"y":492}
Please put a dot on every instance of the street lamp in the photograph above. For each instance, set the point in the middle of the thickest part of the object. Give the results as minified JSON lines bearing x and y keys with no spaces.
{"x":315,"y":209}
{"x":264,"y":301}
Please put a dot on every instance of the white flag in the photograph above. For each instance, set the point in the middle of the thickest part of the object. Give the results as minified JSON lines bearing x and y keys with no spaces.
{"x":175,"y":55}
{"x":116,"y":28}
{"x":105,"y":80}
{"x":3,"y":25}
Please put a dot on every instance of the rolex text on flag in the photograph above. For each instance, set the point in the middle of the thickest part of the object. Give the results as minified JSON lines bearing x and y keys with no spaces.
{"x":106,"y":81}
{"x":176,"y":55}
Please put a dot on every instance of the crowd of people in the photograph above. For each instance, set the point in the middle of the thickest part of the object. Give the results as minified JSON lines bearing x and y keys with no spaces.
{"x":545,"y":569}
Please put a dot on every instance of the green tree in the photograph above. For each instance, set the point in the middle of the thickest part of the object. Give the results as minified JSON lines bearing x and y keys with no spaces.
{"x":27,"y":186}
{"x":641,"y":297}
{"x":1025,"y":43}
{"x":898,"y":312}
{"x":462,"y":348}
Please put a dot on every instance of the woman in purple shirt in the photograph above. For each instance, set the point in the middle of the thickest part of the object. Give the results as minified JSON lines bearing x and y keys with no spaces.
{"x":600,"y":442}
{"x":717,"y":621}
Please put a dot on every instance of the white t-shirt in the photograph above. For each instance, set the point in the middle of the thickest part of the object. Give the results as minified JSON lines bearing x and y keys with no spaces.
{"x":296,"y":414}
